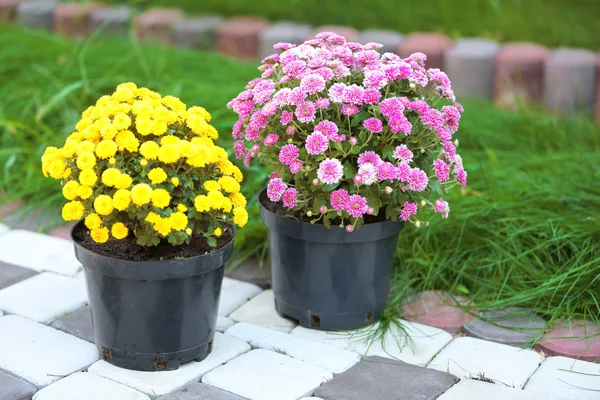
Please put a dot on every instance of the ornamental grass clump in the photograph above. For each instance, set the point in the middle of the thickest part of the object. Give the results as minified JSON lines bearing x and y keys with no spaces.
{"x":147,"y":165}
{"x":351,"y":134}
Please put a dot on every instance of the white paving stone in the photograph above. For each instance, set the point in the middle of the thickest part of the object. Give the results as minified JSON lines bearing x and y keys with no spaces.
{"x":3,"y":229}
{"x":566,"y":378}
{"x":159,"y":383}
{"x":423,"y":342}
{"x":468,"y":357}
{"x":267,"y":375}
{"x":329,"y":357}
{"x":261,"y":311}
{"x":88,"y":386}
{"x":476,"y":390}
{"x":40,"y":354}
{"x":44,"y":297}
{"x":38,"y":252}
{"x":223,"y":323}
{"x":235,"y":293}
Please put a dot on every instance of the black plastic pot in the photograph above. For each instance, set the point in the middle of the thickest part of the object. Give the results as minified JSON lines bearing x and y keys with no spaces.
{"x":153,"y":315}
{"x":328,"y":278}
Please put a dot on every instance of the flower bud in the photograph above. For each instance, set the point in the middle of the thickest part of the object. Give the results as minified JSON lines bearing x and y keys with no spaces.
{"x":422,"y":151}
{"x":339,"y":213}
{"x":323,"y":209}
{"x":358,"y":178}
{"x":309,"y":213}
{"x":353,"y":141}
{"x":349,"y":228}
{"x":143,"y":162}
{"x":427,"y":223}
{"x":412,"y":85}
{"x":316,"y":182}
{"x":456,"y":142}
{"x":418,"y":224}
{"x":423,"y":202}
{"x":112,"y":161}
{"x":388,"y":190}
{"x":370,"y":210}
{"x":289,"y":141}
{"x":341,"y":225}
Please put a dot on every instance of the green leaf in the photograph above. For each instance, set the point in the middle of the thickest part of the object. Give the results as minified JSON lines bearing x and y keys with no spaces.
{"x":212,"y":242}
{"x":435,"y":186}
{"x":330,"y":187}
{"x":360,"y":117}
{"x":349,"y":170}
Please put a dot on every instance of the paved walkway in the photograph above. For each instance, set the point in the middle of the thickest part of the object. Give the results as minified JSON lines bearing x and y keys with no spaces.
{"x":46,"y":350}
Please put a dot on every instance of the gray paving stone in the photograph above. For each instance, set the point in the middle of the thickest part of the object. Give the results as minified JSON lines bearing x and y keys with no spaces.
{"x":470,"y":67}
{"x":77,"y":323}
{"x":196,"y":391}
{"x":569,"y":80}
{"x":389,"y":39}
{"x":284,"y":31}
{"x":11,"y":274}
{"x":37,"y":14}
{"x":385,"y":379}
{"x":12,"y":388}
{"x":36,"y":221}
{"x":197,"y":33}
{"x":114,"y":19}
{"x":86,"y":386}
{"x":514,"y":326}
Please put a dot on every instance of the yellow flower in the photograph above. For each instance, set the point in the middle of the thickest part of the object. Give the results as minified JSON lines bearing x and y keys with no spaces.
{"x":174,"y":103}
{"x":240,"y":216}
{"x":197,"y":124}
{"x":123,"y":94}
{"x":132,"y":145}
{"x":211,"y":186}
{"x":144,"y":126}
{"x":103,"y":204}
{"x":218,"y":232}
{"x":201,"y":203}
{"x":99,"y":235}
{"x":84,"y":192}
{"x":108,"y":132}
{"x":200,"y":111}
{"x":121,"y":121}
{"x":229,"y":184}
{"x":110,"y":176}
{"x":152,"y":217}
{"x":169,"y":153}
{"x":143,"y":162}
{"x":67,"y":173}
{"x":57,"y":169}
{"x":70,"y":189}
{"x":160,"y":198}
{"x":121,"y":199}
{"x":159,"y":127}
{"x":73,"y":211}
{"x":112,"y":161}
{"x":237,"y":174}
{"x":83,"y":123}
{"x":170,"y":139}
{"x":119,"y":231}
{"x":141,"y":107}
{"x":212,"y":133}
{"x":85,"y":146}
{"x":163,"y":226}
{"x":86,"y":160}
{"x":181,"y":208}
{"x":141,"y":194}
{"x":106,"y":149}
{"x":179,"y":221}
{"x":238,"y":199}
{"x":124,"y":181}
{"x":123,"y":136}
{"x":157,"y":175}
{"x":93,"y":221}
{"x":175,"y":181}
{"x":88,"y":177}
{"x":226,"y":204}
{"x":149,"y":150}
{"x":188,"y":231}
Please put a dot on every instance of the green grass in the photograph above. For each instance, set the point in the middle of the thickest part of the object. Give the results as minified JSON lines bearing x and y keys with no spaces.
{"x":551,"y":22}
{"x":526,"y":232}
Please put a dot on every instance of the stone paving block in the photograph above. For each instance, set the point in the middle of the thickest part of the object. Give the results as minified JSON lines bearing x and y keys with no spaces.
{"x":438,"y":309}
{"x":156,"y":24}
{"x":434,"y":45}
{"x":73,"y":19}
{"x":63,"y":232}
{"x":474,"y":390}
{"x":514,"y":326}
{"x":470,"y":67}
{"x":40,"y":354}
{"x":423,"y":343}
{"x":468,"y":357}
{"x":8,"y":9}
{"x":36,"y":220}
{"x":83,"y":385}
{"x":12,"y":388}
{"x":44,"y":297}
{"x":11,"y":274}
{"x":569,"y":80}
{"x":519,"y":73}
{"x":389,"y":39}
{"x":384,"y":379}
{"x":77,"y":323}
{"x":567,"y":379}
{"x":261,"y":311}
{"x":198,"y":391}
{"x":197,"y":33}
{"x":3,"y":229}
{"x":223,"y":323}
{"x":252,"y":272}
{"x":351,"y":34}
{"x":159,"y":383}
{"x":329,"y":357}
{"x":234,"y":294}
{"x":38,"y":14}
{"x":267,"y":375}
{"x":51,"y":254}
{"x":238,"y":37}
{"x":576,"y":339}
{"x":115,"y":19}
{"x":283,"y":31}
{"x":9,"y":205}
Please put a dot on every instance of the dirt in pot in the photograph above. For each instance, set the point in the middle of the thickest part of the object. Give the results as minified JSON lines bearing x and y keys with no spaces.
{"x":128,"y":249}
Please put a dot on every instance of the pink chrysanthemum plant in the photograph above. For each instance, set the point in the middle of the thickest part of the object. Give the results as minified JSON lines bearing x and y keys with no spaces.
{"x":350,"y":132}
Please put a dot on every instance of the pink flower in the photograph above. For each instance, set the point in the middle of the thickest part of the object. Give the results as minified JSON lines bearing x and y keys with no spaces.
{"x":433,"y":119}
{"x":330,"y":171}
{"x":323,"y":209}
{"x":281,"y":97}
{"x":327,"y":128}
{"x":339,"y":199}
{"x":444,"y":134}
{"x":325,"y":72}
{"x":290,"y":130}
{"x":283,"y":46}
{"x":401,"y":70}
{"x":306,"y":112}
{"x":452,"y":117}
{"x":419,"y":106}
{"x":402,"y":153}
{"x":419,"y":77}
{"x":375,"y":79}
{"x":353,"y":94}
{"x":239,"y":149}
{"x":403,"y":171}
{"x":295,"y":166}
{"x":357,"y":206}
{"x":391,"y":107}
{"x":408,"y":210}
{"x":248,"y":158}
{"x":369,"y":173}
{"x":294,"y":68}
{"x":417,"y":180}
{"x":289,"y":198}
{"x":358,"y":179}
{"x":275,"y":189}
{"x":349,"y":228}
{"x":369,"y":157}
{"x":312,"y":83}
{"x":353,"y":141}
{"x":237,"y":129}
{"x":445,"y":88}
{"x":399,"y":123}
{"x":271,"y":139}
{"x":273,"y":175}
{"x":442,"y":170}
{"x":316,"y":143}
{"x":373,"y":124}
{"x":349,"y":109}
{"x":442,"y":207}
{"x":288,"y":154}
{"x":322,"y":103}
{"x":461,"y":176}
{"x":450,"y":149}
{"x":336,"y":92}
{"x":388,"y":171}
{"x":372,"y":96}
{"x":286,"y":117}
{"x":296,"y":96}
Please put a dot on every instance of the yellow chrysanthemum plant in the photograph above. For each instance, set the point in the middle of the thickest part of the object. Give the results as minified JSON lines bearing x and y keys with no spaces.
{"x":145,"y":165}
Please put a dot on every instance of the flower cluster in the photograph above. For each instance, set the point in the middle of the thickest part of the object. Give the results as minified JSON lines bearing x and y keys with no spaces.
{"x":350,"y":132}
{"x":147,"y":164}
